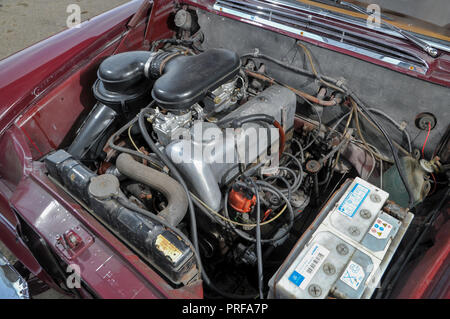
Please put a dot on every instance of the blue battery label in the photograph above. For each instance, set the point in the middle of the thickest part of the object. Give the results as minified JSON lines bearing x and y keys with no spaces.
{"x":308,"y":266}
{"x":354,"y":200}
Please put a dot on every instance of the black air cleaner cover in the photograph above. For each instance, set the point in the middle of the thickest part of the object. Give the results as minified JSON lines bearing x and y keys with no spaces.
{"x":187,"y":79}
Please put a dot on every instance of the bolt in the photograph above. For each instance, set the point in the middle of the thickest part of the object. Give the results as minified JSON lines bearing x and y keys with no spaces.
{"x":314,"y":290}
{"x":313,"y":166}
{"x":354,"y":231}
{"x":329,"y":269}
{"x":375,"y":198}
{"x":342,"y":249}
{"x":365,"y":213}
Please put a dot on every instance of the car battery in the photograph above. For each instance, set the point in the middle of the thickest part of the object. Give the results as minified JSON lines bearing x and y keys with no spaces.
{"x":346,"y":250}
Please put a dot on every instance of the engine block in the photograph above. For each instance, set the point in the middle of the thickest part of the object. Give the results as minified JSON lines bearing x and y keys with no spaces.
{"x":204,"y":175}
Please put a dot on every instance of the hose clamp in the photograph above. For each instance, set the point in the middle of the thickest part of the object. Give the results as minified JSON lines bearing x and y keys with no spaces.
{"x":147,"y":66}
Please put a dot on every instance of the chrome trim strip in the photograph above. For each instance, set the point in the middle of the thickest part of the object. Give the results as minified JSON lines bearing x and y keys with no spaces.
{"x":258,"y":20}
{"x":357,"y":22}
{"x":302,"y":20}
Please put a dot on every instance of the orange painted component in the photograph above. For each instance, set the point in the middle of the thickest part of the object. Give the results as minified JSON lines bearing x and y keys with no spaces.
{"x":267,"y":213}
{"x":241,"y":202}
{"x":282,"y":136}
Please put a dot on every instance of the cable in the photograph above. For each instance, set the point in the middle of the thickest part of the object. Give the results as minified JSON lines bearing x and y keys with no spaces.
{"x":300,"y":168}
{"x":400,"y":148}
{"x":306,"y":97}
{"x":270,"y":188}
{"x":347,"y":125}
{"x":353,"y":140}
{"x":131,"y":139}
{"x":313,"y":67}
{"x":339,"y":86}
{"x":319,"y":128}
{"x":228,"y":220}
{"x":238,"y":122}
{"x":291,"y":188}
{"x":335,"y":126}
{"x":294,"y":175}
{"x":300,"y":150}
{"x":381,"y":174}
{"x":398,"y":125}
{"x":333,"y":151}
{"x":391,"y":146}
{"x":361,"y":136}
{"x":258,"y":239}
{"x":362,"y":145}
{"x":294,"y":69}
{"x":302,"y":94}
{"x":359,"y":103}
{"x":284,"y":180}
{"x":426,"y":140}
{"x":435,"y":184}
{"x":193,"y":223}
{"x":367,"y":146}
{"x":129,"y":151}
{"x":374,"y":163}
{"x":373,"y":110}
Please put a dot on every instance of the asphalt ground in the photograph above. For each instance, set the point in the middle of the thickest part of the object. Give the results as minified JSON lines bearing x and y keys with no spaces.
{"x":25,"y":22}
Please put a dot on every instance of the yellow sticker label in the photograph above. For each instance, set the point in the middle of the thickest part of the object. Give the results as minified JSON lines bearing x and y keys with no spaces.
{"x":168,"y":249}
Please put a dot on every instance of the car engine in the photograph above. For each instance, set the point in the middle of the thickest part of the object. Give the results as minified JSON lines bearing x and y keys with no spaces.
{"x":204,"y":166}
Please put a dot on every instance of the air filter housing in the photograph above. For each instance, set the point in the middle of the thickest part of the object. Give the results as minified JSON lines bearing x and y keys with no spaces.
{"x":187,"y":79}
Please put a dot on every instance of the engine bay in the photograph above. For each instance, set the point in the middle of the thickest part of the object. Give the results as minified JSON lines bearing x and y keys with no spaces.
{"x":208,"y":166}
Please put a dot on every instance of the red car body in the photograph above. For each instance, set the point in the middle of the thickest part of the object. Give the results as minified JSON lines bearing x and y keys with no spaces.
{"x":35,"y":82}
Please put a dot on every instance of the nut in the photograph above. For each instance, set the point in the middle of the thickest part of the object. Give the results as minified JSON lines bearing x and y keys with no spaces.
{"x":313,"y":166}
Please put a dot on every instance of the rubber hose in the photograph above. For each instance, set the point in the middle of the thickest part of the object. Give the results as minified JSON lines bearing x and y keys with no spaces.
{"x":177,"y":201}
{"x":194,"y":233}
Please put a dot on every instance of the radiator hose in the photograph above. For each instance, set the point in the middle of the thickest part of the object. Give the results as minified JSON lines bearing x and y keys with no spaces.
{"x":177,"y":201}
